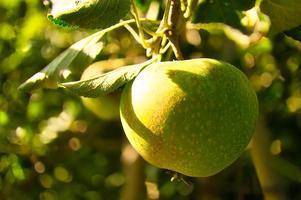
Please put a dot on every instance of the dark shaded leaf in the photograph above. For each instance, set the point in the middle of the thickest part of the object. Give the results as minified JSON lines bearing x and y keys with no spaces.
{"x":225,"y":11}
{"x":284,"y":14}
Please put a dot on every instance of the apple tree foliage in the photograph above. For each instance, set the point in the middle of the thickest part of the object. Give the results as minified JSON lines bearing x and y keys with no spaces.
{"x":52,"y":147}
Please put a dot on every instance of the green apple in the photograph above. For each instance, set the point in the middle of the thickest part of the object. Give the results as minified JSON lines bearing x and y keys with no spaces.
{"x":105,"y":107}
{"x":195,"y":117}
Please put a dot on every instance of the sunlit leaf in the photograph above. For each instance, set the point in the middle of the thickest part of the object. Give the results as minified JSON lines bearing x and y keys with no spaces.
{"x":107,"y":82}
{"x":88,"y":13}
{"x":284,"y":14}
{"x":86,"y":49}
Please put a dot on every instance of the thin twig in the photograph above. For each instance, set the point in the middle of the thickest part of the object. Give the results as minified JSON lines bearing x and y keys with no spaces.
{"x":133,"y":33}
{"x":190,"y":7}
{"x":144,"y":43}
{"x":175,"y":26}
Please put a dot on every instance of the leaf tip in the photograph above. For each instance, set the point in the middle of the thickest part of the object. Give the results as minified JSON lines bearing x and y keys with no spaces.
{"x":30,"y":83}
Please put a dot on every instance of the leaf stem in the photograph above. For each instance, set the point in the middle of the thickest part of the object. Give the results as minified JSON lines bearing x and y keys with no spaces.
{"x":257,"y":3}
{"x":164,"y":22}
{"x":190,"y":7}
{"x":176,"y":48}
{"x":132,"y":32}
{"x":183,"y":5}
{"x":158,"y":40}
{"x":120,"y":24}
{"x":165,"y":48}
{"x":143,"y":42}
{"x":170,"y":27}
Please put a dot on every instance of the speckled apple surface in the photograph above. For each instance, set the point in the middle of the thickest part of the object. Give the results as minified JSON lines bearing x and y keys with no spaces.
{"x":194,"y":117}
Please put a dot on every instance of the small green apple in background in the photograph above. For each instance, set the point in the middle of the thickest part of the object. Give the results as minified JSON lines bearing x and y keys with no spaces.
{"x":105,"y":107}
{"x":195,"y":117}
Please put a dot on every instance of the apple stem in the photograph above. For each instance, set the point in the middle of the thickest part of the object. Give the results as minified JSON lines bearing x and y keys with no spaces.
{"x":270,"y":182}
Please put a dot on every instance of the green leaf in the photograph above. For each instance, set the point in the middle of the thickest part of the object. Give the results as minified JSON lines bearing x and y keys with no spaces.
{"x":88,"y":13}
{"x":225,"y":11}
{"x":284,"y":14}
{"x":84,"y":50}
{"x":107,"y":82}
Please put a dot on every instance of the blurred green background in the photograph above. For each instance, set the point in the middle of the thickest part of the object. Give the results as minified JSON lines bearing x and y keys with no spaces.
{"x":52,"y":147}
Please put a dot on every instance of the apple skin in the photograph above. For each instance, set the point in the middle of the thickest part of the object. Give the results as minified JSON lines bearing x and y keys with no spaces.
{"x":195,"y":117}
{"x":104,"y":107}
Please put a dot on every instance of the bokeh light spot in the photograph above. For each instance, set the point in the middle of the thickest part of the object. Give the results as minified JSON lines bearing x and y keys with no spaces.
{"x":39,"y":167}
{"x":74,"y":144}
{"x":62,"y":174}
{"x":275,"y":147}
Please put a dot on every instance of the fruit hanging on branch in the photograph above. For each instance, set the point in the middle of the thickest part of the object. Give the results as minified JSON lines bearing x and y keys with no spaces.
{"x":194,"y":117}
